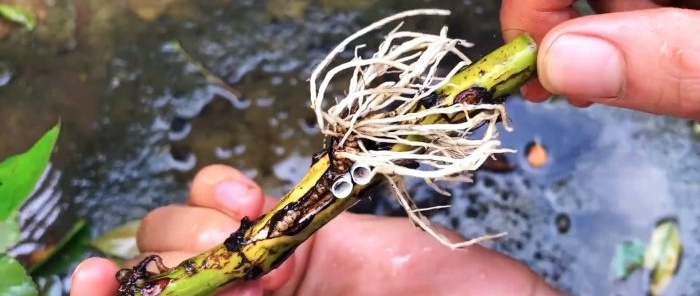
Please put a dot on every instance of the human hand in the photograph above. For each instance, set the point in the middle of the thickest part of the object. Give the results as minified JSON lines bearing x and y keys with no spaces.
{"x":352,"y":255}
{"x":638,"y":54}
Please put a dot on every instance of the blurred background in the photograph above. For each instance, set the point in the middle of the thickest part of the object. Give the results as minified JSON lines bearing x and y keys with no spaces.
{"x":150,"y":91}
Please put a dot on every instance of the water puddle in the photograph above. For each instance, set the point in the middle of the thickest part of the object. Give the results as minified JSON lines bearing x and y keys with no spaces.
{"x":611,"y":176}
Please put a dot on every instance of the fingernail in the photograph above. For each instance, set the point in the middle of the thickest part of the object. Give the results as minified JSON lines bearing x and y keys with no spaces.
{"x":583,"y":66}
{"x":232,"y":195}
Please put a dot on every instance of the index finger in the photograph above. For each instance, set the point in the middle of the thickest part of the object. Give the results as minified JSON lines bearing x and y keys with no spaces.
{"x":535,"y":17}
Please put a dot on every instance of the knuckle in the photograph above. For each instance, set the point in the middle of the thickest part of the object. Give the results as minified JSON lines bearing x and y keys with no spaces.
{"x":682,"y":67}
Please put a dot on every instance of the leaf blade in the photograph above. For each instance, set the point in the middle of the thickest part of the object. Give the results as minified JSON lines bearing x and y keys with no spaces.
{"x":120,"y":242}
{"x":14,"y":280}
{"x":20,"y":173}
{"x":19,"y":15}
{"x":9,"y":234}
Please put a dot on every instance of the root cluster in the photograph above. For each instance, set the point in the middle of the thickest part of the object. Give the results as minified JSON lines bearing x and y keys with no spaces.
{"x":384,"y":103}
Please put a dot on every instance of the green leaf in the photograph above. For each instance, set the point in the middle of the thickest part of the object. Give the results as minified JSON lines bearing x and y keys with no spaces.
{"x":9,"y":234}
{"x":14,"y":280}
{"x":119,"y":242}
{"x":20,"y":173}
{"x":59,"y":257}
{"x":663,"y":256}
{"x":18,"y":15}
{"x":628,"y":258}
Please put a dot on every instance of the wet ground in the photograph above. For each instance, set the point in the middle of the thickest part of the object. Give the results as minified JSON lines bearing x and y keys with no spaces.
{"x":139,"y":119}
{"x":611,"y":175}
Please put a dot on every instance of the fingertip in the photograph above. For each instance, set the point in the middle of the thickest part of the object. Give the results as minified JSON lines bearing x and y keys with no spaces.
{"x":228,"y":190}
{"x":579,"y":102}
{"x":534,"y":91}
{"x":598,"y":71}
{"x":209,"y":177}
{"x":94,"y":277}
{"x":239,"y":198}
{"x":536,"y":17}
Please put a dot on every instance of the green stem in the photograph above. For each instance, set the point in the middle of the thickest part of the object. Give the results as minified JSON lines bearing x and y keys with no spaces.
{"x":258,"y":247}
{"x":501,"y":72}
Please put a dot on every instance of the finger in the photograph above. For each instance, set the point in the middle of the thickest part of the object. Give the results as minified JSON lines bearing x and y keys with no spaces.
{"x":94,"y":277}
{"x":183,"y":228}
{"x":535,"y":17}
{"x":538,"y":17}
{"x":579,"y":102}
{"x":654,"y":67}
{"x":228,"y":190}
{"x":603,"y":6}
{"x":386,"y":251}
{"x":534,"y":91}
{"x":278,"y":277}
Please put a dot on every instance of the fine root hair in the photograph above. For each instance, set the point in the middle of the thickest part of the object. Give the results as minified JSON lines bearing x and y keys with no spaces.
{"x":382,"y":104}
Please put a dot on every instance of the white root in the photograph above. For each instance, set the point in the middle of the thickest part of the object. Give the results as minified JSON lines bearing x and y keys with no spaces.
{"x":423,"y":222}
{"x":445,"y":151}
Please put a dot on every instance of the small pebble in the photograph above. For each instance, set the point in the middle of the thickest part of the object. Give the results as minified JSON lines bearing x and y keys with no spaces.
{"x":563,"y":223}
{"x":536,"y":154}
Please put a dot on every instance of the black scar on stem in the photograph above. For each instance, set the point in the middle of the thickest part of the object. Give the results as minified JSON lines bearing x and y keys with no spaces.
{"x":236,"y":240}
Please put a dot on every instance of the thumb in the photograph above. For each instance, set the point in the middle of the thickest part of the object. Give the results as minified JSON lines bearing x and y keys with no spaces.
{"x":648,"y":60}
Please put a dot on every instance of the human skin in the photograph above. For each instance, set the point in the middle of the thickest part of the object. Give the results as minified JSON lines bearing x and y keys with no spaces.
{"x":352,"y":255}
{"x":637,"y":54}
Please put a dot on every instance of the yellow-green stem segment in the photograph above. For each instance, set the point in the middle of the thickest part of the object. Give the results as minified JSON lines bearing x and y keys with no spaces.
{"x":501,"y":72}
{"x":260,"y":246}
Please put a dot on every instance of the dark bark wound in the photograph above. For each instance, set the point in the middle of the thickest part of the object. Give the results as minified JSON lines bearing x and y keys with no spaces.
{"x":474,"y":95}
{"x":236,"y":240}
{"x":134,"y":280}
